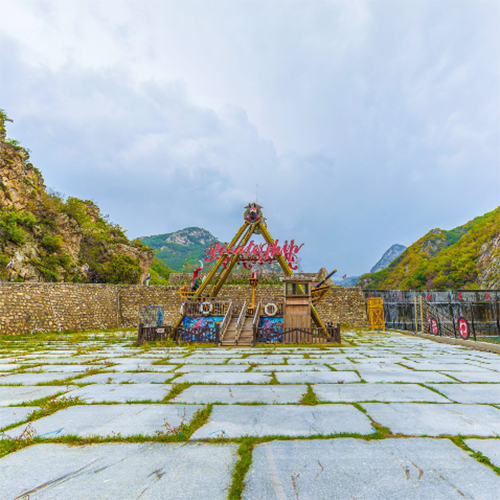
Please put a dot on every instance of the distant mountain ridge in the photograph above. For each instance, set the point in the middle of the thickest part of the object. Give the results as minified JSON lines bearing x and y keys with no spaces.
{"x":393,"y":253}
{"x":183,"y":249}
{"x":467,"y":256}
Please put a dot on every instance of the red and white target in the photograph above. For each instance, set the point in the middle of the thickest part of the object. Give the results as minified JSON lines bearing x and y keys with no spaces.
{"x":463,"y":328}
{"x":434,"y":326}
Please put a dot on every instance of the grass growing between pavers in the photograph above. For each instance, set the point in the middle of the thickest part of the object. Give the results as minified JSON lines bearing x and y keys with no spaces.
{"x":175,"y":390}
{"x":477,"y":455}
{"x":309,"y":397}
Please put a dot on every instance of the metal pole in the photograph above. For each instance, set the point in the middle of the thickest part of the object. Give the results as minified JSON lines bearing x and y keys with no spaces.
{"x":421,"y":315}
{"x":473,"y":327}
{"x":416,"y":315}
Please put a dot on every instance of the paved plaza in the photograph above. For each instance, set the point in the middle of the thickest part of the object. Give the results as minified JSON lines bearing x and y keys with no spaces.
{"x":384,"y":416}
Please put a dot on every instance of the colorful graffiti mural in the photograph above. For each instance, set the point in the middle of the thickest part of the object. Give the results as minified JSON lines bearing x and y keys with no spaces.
{"x":201,"y":321}
{"x":273,"y":327}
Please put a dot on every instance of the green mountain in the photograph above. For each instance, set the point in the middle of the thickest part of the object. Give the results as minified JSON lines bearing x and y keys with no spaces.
{"x":467,"y":257}
{"x":181,"y":250}
{"x":45,"y":236}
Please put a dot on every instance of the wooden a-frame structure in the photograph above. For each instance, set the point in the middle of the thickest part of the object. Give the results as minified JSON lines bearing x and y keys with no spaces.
{"x":215,"y":279}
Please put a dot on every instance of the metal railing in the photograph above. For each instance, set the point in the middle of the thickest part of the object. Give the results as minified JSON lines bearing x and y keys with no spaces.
{"x":226,"y":321}
{"x":481,"y":309}
{"x":240,"y":322}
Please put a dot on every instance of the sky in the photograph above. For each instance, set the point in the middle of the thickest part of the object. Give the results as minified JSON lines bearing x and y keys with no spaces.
{"x":355,"y":124}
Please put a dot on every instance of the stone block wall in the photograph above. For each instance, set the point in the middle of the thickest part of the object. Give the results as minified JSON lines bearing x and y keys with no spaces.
{"x":25,"y":307}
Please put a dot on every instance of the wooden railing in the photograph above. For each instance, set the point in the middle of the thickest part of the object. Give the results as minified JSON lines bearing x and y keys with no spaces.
{"x":279,"y":311}
{"x":312,"y":335}
{"x":255,"y":323}
{"x":240,"y":322}
{"x":226,"y":321}
{"x":179,"y":334}
{"x":203,"y":306}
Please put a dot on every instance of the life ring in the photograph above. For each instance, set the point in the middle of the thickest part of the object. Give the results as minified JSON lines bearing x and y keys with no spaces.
{"x":205,"y":311}
{"x":274,"y":308}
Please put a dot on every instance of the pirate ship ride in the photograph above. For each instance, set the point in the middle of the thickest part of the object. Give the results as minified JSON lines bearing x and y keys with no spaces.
{"x":204,"y":316}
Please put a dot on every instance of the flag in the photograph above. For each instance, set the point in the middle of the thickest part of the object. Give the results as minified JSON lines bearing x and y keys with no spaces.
{"x":344,"y":277}
{"x":10,"y":264}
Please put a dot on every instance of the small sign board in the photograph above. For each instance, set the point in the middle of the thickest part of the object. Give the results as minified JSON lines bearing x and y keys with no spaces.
{"x":463,"y":328}
{"x":434,"y":326}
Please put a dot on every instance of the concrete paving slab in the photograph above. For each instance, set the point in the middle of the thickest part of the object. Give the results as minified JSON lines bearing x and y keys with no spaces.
{"x":33,"y":378}
{"x":9,"y":416}
{"x":291,"y":368}
{"x":470,"y":393}
{"x":446,"y":367}
{"x":148,"y":471}
{"x":8,"y":367}
{"x":380,"y":376}
{"x":110,"y":420}
{"x":393,"y":393}
{"x":129,"y":378}
{"x":257,"y":359}
{"x":317,"y":377}
{"x":287,"y":420}
{"x":391,"y":469}
{"x":231,"y":394}
{"x":474,"y":377}
{"x":120,"y":393}
{"x":436,"y":419}
{"x":199,"y":361}
{"x":224,"y":378}
{"x":490,"y":448}
{"x":211,"y":368}
{"x":69,"y":369}
{"x":23,"y":394}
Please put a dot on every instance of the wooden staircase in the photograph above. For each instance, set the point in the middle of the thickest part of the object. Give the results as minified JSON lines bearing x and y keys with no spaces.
{"x":246,"y":335}
{"x":229,"y":339}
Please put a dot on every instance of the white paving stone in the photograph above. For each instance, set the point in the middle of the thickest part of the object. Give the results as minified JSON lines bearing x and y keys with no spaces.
{"x":211,"y":368}
{"x":317,"y":377}
{"x":392,"y":469}
{"x":393,"y":393}
{"x":9,"y":416}
{"x":23,"y":394}
{"x":470,"y":393}
{"x":286,"y":420}
{"x":474,"y":377}
{"x":120,"y":393}
{"x":381,"y":376}
{"x":130,"y":378}
{"x":420,"y":419}
{"x":149,"y":471}
{"x":490,"y":448}
{"x":110,"y":420}
{"x":269,"y":394}
{"x":225,"y":378}
{"x":33,"y":378}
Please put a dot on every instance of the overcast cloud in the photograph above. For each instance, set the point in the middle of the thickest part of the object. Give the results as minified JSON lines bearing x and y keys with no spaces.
{"x":363,"y":123}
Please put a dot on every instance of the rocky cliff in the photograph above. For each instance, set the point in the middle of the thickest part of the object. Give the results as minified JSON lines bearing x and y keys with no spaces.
{"x":183,"y":249}
{"x":46,"y":237}
{"x":465,"y":257}
{"x":393,"y":253}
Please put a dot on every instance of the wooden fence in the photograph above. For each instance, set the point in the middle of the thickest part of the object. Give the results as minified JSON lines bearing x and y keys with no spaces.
{"x":297,"y":335}
{"x":179,"y":334}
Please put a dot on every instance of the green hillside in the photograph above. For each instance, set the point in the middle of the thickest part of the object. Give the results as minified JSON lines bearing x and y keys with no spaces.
{"x":464,"y":257}
{"x":181,"y":250}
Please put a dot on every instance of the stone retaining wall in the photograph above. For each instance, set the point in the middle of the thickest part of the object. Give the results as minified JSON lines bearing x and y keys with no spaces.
{"x":25,"y":307}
